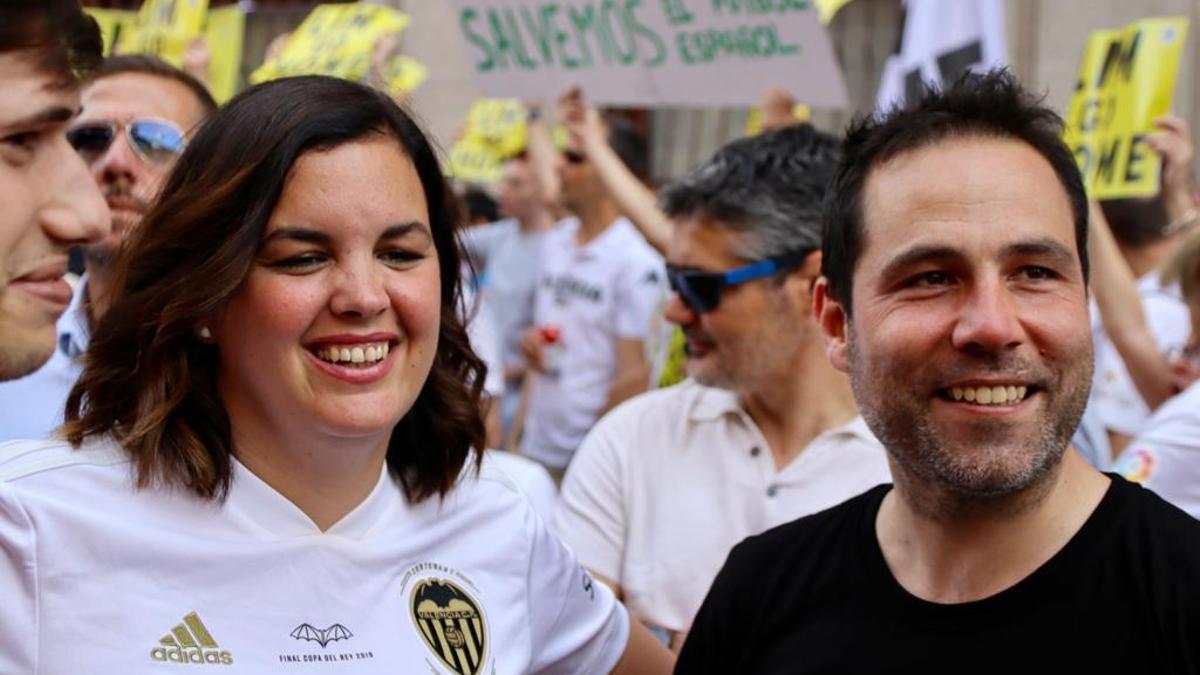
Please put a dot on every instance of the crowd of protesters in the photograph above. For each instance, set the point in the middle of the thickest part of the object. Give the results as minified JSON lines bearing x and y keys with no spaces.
{"x":938,"y":406}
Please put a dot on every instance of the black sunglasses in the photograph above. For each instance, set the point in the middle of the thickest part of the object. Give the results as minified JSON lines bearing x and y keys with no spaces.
{"x":155,"y":140}
{"x":702,"y":290}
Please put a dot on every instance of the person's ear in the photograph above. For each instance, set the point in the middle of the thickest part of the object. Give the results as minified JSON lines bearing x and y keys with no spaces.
{"x":834,"y":323}
{"x":801,"y":281}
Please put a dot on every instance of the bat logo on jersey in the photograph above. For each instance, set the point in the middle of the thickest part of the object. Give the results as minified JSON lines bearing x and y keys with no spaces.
{"x":337,"y":631}
{"x":451,"y":623}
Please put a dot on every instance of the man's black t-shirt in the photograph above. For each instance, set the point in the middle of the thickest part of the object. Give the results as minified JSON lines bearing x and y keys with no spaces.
{"x":816,"y":596}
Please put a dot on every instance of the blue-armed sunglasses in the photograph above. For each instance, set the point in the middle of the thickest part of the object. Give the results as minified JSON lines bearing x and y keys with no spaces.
{"x":702,"y":290}
{"x":156,"y":141}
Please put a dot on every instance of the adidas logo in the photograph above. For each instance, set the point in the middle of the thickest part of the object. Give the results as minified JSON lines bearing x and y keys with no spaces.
{"x":190,"y":642}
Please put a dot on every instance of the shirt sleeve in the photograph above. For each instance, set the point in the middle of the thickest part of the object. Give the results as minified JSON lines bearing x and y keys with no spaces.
{"x":576,"y":624}
{"x":717,"y":637}
{"x":18,"y":588}
{"x":591,"y":515}
{"x":1166,"y":457}
{"x":480,"y":242}
{"x":639,"y":294}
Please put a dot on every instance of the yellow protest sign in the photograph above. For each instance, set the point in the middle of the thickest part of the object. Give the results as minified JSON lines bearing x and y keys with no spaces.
{"x":801,"y":112}
{"x":335,"y":40}
{"x":1126,"y":80}
{"x":178,"y":16}
{"x":403,"y":74}
{"x":495,"y":131}
{"x":113,"y":24}
{"x":224,"y":33}
{"x":829,"y":8}
{"x":165,"y":28}
{"x":471,"y":159}
{"x":500,"y":122}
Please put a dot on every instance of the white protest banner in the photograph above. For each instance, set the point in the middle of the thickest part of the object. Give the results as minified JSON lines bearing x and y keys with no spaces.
{"x":942,"y":40}
{"x":651,"y":53}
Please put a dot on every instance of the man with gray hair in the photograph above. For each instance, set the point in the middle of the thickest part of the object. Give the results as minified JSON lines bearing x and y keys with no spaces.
{"x":765,"y":431}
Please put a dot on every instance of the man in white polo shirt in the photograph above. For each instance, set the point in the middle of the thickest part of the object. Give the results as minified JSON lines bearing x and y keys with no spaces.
{"x":599,"y":284}
{"x":766,"y":431}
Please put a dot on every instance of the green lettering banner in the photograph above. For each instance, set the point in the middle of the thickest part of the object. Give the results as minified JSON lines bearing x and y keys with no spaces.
{"x":651,"y":53}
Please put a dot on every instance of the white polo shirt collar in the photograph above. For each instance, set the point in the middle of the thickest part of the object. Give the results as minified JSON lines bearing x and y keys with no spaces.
{"x":73,"y":332}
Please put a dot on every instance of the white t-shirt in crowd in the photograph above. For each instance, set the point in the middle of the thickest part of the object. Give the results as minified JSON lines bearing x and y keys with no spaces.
{"x":1165,"y":456}
{"x":669,"y":481}
{"x":595,"y":294}
{"x":485,"y":341}
{"x":1116,"y":400}
{"x":98,"y":577}
{"x":507,"y":260}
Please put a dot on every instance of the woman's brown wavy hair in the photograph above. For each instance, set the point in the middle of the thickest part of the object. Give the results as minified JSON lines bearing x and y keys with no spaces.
{"x":150,"y":383}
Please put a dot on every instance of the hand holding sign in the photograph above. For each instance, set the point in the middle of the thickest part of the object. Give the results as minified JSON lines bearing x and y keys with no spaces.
{"x":582,"y":121}
{"x":1174,"y":143}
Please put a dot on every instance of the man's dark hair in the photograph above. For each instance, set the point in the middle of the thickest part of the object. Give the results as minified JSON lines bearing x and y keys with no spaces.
{"x":63,"y":42}
{"x":629,"y":144}
{"x":1136,"y":221}
{"x":771,"y":187}
{"x":990,"y":105}
{"x":480,"y":206}
{"x":152,"y":65}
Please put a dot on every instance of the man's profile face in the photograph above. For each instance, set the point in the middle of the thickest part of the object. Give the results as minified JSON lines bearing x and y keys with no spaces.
{"x":756,"y":331}
{"x":129,"y":180}
{"x":969,"y":347}
{"x":49,"y":203}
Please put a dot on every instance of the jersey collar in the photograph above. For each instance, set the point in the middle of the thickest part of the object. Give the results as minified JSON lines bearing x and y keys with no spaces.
{"x":253,"y":500}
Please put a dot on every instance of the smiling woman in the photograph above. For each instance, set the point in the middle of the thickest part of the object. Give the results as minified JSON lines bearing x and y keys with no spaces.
{"x":277,"y":430}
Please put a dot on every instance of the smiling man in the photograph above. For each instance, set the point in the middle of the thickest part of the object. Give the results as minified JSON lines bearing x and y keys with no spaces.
{"x":137,"y":112}
{"x":765,"y":431}
{"x":49,"y":204}
{"x":954,"y":293}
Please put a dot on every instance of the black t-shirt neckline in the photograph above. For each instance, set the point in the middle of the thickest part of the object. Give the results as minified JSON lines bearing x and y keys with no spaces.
{"x":1098,"y":526}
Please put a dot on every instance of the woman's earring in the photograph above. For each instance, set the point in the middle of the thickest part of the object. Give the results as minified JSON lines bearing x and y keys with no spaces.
{"x":204,"y":333}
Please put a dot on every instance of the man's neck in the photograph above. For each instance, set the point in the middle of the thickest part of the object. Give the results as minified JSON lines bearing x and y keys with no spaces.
{"x":946,"y":549}
{"x":808,"y":398}
{"x":594,"y":219}
{"x":539,"y":221}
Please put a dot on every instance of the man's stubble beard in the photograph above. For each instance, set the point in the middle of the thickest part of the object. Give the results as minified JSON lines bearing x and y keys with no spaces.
{"x":22,"y":352}
{"x":978,"y":482}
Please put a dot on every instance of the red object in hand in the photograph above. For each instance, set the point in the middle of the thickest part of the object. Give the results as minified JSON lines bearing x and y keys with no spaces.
{"x":550,"y":333}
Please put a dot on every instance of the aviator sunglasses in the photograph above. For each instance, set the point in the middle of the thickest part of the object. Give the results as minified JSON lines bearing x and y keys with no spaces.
{"x":702,"y":290}
{"x":155,"y":140}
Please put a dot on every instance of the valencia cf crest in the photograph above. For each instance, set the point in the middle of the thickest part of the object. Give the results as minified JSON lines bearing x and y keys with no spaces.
{"x":451,"y":624}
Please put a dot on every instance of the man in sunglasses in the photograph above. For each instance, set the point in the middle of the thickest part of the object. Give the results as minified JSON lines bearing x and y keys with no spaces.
{"x":47,"y":202}
{"x":765,"y":430}
{"x":137,"y":112}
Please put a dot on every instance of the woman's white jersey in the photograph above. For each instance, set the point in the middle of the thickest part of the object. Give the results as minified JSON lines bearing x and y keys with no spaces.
{"x":98,"y":577}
